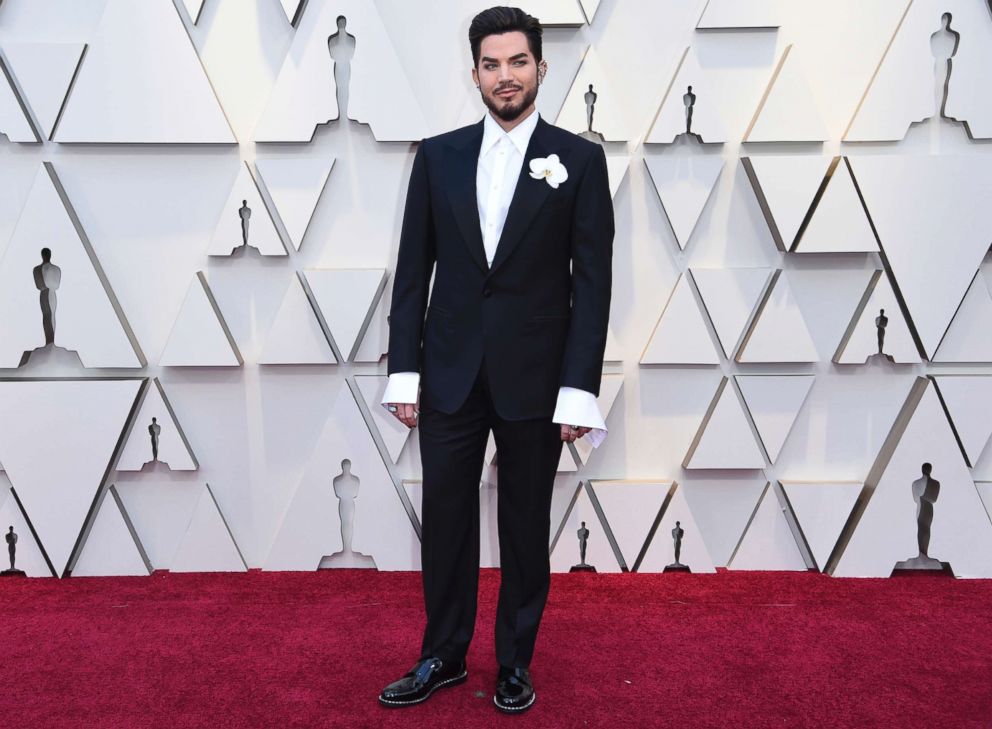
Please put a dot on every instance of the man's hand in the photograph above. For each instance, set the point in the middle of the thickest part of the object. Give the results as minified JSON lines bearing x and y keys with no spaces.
{"x":571,"y":432}
{"x":406,"y":413}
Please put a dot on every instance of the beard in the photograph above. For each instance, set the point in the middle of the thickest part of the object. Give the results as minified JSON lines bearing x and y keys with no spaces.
{"x":509,"y":112}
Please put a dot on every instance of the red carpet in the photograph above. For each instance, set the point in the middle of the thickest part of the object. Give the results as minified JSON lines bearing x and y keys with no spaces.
{"x":267,"y":650}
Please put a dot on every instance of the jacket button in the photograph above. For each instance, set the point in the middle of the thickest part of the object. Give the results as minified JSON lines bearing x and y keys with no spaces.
{"x":487,"y":292}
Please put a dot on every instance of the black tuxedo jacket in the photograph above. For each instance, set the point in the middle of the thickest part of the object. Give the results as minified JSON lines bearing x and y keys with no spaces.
{"x":540,"y":314}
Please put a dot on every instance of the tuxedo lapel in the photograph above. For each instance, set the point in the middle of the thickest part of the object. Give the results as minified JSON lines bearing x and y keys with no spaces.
{"x":462,"y":165}
{"x":529,"y":194}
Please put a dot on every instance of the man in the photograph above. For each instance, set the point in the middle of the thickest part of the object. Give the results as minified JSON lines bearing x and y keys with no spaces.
{"x":514,"y":218}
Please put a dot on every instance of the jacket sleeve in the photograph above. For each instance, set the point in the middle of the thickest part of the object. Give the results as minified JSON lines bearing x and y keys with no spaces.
{"x":414,"y":267}
{"x":592,"y":276}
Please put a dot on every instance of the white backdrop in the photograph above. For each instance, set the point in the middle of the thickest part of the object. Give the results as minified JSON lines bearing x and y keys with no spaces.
{"x":158,"y":123}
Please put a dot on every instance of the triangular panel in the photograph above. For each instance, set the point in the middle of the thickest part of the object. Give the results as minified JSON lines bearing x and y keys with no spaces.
{"x":724,"y":438}
{"x":684,"y":184}
{"x":661,"y":552}
{"x":295,"y":185}
{"x":774,"y":402}
{"x":142,"y":82}
{"x":208,"y":545}
{"x":199,"y":336}
{"x":821,"y":509}
{"x":730,"y":296}
{"x":173,"y":448}
{"x":296,"y":336}
{"x":681,"y":335}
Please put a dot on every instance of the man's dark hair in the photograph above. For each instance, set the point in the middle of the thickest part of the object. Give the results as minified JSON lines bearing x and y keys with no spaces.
{"x":499,"y":20}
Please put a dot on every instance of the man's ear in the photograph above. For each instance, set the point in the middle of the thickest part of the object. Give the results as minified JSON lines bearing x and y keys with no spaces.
{"x":475,"y":77}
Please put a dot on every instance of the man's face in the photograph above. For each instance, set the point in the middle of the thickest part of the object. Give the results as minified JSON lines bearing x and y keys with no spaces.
{"x":507,"y":75}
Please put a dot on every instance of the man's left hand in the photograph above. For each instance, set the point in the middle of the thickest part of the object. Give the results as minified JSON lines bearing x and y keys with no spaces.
{"x":571,"y":432}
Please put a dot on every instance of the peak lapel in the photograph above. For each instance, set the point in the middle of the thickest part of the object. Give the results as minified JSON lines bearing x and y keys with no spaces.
{"x":529,"y":194}
{"x":462,"y":161}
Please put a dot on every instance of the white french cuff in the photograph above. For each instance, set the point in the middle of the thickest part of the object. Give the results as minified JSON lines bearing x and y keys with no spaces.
{"x":580,"y":407}
{"x":402,"y":387}
{"x":549,"y":168}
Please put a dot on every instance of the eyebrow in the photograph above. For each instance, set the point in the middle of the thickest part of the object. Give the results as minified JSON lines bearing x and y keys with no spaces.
{"x":519,"y":55}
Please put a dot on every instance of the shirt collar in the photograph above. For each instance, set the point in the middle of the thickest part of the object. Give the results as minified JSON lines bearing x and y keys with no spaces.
{"x":519,"y":135}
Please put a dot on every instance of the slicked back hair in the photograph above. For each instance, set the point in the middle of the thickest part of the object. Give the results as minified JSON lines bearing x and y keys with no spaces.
{"x":502,"y":19}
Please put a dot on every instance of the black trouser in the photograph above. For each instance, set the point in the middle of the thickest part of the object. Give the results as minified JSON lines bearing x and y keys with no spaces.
{"x":452,"y":450}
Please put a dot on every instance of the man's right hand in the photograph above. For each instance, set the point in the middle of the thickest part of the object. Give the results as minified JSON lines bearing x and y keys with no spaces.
{"x":406,"y":413}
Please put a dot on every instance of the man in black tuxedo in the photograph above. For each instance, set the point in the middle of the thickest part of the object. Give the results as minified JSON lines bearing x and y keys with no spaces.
{"x":514,"y":218}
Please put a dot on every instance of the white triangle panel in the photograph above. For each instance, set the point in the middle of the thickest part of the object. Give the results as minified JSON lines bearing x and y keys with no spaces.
{"x":681,"y":335}
{"x":86,"y":321}
{"x":110,"y":548}
{"x":671,"y":120}
{"x":589,"y":7}
{"x":861,"y":341}
{"x":630,"y":508}
{"x":199,"y":337}
{"x":768,"y":543}
{"x":722,"y":506}
{"x":916,"y":201}
{"x":346,"y":297}
{"x":208,"y":545}
{"x":57,"y":439}
{"x":28,"y":556}
{"x":901,"y":89}
{"x":886,"y":531}
{"x":295,"y":184}
{"x":305,"y":93}
{"x":725,"y":439}
{"x":787,"y":186}
{"x":788,"y":112}
{"x":774,"y":402}
{"x":661,"y":552}
{"x":229,"y":233}
{"x":290,"y":7}
{"x":965,"y":339}
{"x":142,"y":82}
{"x":608,"y":109}
{"x":821,"y":509}
{"x":193,"y":7}
{"x":13,"y":123}
{"x":839,"y":223}
{"x":160,"y":511}
{"x":296,"y":336}
{"x":968,"y":401}
{"x":43,"y":72}
{"x":599,"y":551}
{"x":730,"y":296}
{"x":173,"y":450}
{"x":684,"y":184}
{"x":779,"y":332}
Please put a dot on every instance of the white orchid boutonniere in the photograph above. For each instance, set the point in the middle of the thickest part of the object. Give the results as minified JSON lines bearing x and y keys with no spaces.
{"x":550,"y":169}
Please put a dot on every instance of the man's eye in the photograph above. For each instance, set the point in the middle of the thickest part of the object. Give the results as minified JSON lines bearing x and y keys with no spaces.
{"x":489,"y":66}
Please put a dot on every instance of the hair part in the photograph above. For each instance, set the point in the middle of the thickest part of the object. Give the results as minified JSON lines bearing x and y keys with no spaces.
{"x":502,"y":19}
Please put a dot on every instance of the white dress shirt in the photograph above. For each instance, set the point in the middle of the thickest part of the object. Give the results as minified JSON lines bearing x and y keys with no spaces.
{"x":501,"y":157}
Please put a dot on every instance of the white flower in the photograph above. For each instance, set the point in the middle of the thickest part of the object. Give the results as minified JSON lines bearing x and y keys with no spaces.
{"x":549,"y":168}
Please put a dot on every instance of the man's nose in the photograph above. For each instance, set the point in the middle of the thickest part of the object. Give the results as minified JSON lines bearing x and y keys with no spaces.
{"x":504,"y":72}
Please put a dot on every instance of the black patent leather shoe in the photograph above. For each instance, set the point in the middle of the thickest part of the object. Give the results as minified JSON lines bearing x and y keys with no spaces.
{"x":514,"y":690}
{"x":426,"y":676}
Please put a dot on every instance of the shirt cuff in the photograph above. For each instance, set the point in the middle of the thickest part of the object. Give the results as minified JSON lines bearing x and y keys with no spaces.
{"x":579,"y":407}
{"x":402,"y":388}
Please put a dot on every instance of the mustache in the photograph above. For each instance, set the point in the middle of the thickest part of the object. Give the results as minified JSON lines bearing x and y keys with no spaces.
{"x":507,"y":88}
